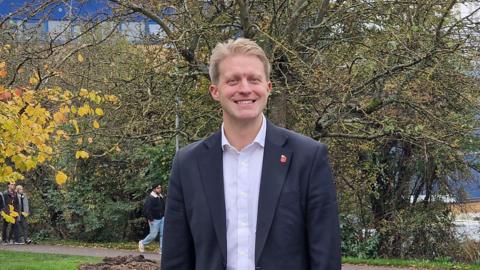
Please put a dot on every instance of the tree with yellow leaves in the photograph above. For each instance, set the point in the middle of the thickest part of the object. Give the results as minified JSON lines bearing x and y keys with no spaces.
{"x":32,"y":123}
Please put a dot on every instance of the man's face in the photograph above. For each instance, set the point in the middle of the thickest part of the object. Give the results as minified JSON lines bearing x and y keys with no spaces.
{"x":242,"y":88}
{"x":158,"y":189}
{"x":11,"y":186}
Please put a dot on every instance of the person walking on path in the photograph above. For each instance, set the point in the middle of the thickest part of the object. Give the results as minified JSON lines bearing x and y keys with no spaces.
{"x":153,"y":209}
{"x":24,"y":213}
{"x":10,"y":209}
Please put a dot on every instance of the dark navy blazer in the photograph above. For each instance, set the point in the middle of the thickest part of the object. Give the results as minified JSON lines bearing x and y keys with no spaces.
{"x":297,"y":223}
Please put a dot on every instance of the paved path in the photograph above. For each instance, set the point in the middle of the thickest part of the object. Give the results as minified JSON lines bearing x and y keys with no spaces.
{"x":105,"y":252}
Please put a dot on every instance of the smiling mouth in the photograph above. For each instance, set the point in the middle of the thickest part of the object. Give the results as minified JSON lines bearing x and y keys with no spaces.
{"x":245,"y":101}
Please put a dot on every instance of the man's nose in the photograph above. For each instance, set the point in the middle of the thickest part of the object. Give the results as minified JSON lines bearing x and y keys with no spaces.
{"x":244,"y":87}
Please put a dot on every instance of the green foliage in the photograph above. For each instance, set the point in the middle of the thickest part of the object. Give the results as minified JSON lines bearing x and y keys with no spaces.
{"x":356,"y":240}
{"x":420,"y":232}
{"x":103,"y":201}
{"x":156,"y":168}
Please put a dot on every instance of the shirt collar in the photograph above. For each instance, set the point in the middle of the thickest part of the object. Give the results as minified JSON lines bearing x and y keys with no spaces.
{"x":259,"y":139}
{"x":154,"y":194}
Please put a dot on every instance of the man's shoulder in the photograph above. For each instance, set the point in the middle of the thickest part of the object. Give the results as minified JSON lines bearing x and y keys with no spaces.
{"x":192,"y":147}
{"x":197,"y":146}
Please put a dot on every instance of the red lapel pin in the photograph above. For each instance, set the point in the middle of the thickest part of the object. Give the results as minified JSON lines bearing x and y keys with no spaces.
{"x":283,"y":159}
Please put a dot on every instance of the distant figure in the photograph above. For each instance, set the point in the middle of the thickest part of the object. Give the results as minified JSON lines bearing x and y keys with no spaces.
{"x":11,"y":209}
{"x":153,"y":210}
{"x":24,"y":212}
{"x":3,"y":211}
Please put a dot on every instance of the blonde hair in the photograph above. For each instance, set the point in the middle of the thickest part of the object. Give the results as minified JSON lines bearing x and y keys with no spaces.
{"x":241,"y":46}
{"x":18,"y":187}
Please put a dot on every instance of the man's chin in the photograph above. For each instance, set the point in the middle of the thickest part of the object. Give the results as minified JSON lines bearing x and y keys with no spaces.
{"x":247,"y":118}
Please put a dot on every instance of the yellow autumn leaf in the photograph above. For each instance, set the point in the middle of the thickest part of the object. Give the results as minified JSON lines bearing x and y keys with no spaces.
{"x":83,"y":92}
{"x":59,"y":118}
{"x":7,"y":218}
{"x":7,"y":170}
{"x":99,"y":111}
{"x":80,"y":58}
{"x":67,"y":94}
{"x":96,"y":124}
{"x":90,"y":140}
{"x":75,"y":125}
{"x":41,"y":158}
{"x":84,"y":110}
{"x":34,"y":80}
{"x":3,"y":71}
{"x":28,"y":96}
{"x":12,"y":211}
{"x":48,"y":150}
{"x":9,"y":152}
{"x":61,"y":178}
{"x":30,"y":164}
{"x":81,"y":154}
{"x":111,"y":98}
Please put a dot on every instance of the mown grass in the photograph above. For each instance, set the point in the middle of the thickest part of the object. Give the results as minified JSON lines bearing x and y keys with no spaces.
{"x":421,"y":264}
{"x":15,"y":260}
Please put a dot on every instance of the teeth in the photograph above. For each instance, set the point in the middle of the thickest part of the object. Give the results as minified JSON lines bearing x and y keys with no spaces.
{"x":244,"y":101}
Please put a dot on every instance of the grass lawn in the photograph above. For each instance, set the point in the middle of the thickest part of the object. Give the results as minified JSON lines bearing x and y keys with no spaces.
{"x":424,"y":264}
{"x":14,"y":260}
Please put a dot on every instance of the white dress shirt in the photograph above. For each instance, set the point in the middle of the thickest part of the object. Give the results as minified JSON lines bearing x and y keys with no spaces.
{"x":241,"y":175}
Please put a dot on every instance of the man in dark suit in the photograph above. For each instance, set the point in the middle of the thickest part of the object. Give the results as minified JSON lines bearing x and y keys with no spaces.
{"x":252,"y":195}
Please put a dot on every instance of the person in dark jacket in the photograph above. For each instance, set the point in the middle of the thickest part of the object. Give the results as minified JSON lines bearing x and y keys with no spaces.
{"x":2,"y":209}
{"x":11,"y":204}
{"x":153,"y":209}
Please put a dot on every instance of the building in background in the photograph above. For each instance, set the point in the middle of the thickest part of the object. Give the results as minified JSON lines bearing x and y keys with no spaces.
{"x":64,"y":20}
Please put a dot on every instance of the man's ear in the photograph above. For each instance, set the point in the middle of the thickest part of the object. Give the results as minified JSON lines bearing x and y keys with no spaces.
{"x":269,"y":87}
{"x":214,"y":92}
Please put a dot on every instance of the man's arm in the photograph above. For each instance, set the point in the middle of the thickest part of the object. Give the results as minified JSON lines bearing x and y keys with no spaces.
{"x":178,"y":251}
{"x":322,"y":215}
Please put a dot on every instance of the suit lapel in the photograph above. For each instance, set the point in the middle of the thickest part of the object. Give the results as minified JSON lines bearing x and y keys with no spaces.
{"x":276,"y":161}
{"x":210,"y":160}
